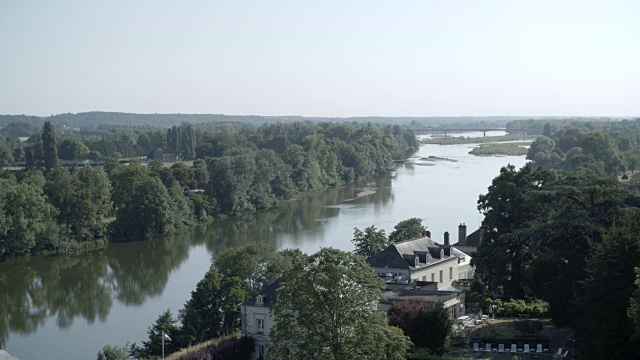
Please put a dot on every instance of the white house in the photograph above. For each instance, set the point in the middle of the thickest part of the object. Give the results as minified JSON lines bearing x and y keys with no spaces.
{"x":422,"y":259}
{"x":255,"y":318}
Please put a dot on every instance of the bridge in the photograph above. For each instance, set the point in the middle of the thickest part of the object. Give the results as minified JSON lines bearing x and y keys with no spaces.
{"x":441,"y":130}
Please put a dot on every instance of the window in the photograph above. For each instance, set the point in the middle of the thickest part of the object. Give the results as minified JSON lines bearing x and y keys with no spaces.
{"x":259,"y":326}
{"x":433,"y":277}
{"x":424,"y":278}
{"x":260,"y":351}
{"x":441,"y":278}
{"x":451,"y":273}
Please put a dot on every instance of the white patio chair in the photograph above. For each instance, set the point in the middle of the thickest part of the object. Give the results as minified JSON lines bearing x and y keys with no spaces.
{"x":558,"y":354}
{"x":526,"y":348}
{"x":488,"y":347}
{"x":514,"y":350}
{"x":539,"y":348}
{"x":501,"y":349}
{"x":476,"y":347}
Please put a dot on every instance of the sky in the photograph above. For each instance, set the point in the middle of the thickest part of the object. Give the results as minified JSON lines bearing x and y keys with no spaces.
{"x":321,"y":58}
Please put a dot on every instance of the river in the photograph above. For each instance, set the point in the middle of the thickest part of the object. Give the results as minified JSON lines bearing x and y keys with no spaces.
{"x":70,"y":307}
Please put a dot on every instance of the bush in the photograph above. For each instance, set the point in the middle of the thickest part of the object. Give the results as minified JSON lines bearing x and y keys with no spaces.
{"x":518,"y":307}
{"x":230,"y":349}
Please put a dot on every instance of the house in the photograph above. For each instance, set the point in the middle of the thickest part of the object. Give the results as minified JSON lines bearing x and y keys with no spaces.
{"x":163,"y":155}
{"x":422,"y":259}
{"x":469,"y":244}
{"x":256,"y":320}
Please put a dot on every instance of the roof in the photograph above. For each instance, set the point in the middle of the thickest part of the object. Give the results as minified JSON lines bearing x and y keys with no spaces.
{"x":406,"y":293}
{"x":268,"y":293}
{"x":402,"y":254}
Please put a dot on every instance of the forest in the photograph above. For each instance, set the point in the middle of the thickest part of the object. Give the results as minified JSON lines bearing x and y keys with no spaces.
{"x":79,"y":190}
{"x":564,"y":229}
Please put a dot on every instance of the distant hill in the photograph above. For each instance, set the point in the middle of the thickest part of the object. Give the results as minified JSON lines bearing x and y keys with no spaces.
{"x":108,"y":120}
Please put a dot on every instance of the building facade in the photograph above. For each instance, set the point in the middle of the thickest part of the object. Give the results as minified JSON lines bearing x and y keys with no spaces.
{"x":422,"y":259}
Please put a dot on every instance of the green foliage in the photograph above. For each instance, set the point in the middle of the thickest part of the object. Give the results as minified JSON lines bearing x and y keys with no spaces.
{"x":213,"y":309}
{"x":26,"y":220}
{"x":153,"y":346}
{"x":604,"y":328}
{"x":114,"y":352}
{"x":407,"y":229}
{"x":49,"y":146}
{"x":634,"y":306}
{"x":255,"y":263}
{"x":369,"y":242}
{"x":516,"y":307}
{"x":149,"y":210}
{"x":427,"y":324}
{"x":327,"y":304}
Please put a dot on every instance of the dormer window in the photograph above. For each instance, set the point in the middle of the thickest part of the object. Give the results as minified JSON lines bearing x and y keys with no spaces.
{"x":259,"y":300}
{"x":441,"y":253}
{"x":417,"y":261}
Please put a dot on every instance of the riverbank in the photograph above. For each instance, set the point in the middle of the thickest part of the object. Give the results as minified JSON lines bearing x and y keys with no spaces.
{"x":452,"y":140}
{"x":509,"y":149}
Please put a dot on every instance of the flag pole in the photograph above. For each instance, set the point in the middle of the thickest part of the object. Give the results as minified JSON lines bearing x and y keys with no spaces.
{"x":163,"y":344}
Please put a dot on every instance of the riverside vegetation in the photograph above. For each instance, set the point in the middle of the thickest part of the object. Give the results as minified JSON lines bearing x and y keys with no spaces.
{"x":48,"y":208}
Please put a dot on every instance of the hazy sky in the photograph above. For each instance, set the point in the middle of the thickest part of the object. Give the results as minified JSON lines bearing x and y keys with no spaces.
{"x":321,"y":58}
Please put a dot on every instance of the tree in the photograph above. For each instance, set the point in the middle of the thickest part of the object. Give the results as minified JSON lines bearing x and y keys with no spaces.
{"x":369,"y":242}
{"x":427,"y":324}
{"x":49,"y":146}
{"x":326,"y":308}
{"x":502,"y":254}
{"x":634,"y":307}
{"x":153,"y":347}
{"x":605,"y":330}
{"x":406,"y":230}
{"x":114,"y":353}
{"x":148,"y":210}
{"x":212,"y":310}
{"x":253,"y":263}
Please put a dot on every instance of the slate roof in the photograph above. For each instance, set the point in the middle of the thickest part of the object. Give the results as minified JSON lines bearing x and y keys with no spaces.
{"x":268,"y":293}
{"x":402,"y":254}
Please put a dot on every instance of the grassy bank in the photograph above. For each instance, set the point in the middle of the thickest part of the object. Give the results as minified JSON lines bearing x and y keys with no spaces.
{"x":450,"y":140}
{"x":499,"y":149}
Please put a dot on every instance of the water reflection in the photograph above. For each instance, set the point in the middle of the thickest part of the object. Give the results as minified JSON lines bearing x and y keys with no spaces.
{"x":86,"y":286}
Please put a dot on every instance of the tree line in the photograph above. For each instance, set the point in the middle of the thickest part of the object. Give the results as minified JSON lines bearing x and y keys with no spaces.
{"x":48,"y":208}
{"x":570,"y":238}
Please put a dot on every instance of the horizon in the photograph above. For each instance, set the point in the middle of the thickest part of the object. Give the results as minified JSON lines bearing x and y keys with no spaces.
{"x":534,"y":117}
{"x":333,"y":59}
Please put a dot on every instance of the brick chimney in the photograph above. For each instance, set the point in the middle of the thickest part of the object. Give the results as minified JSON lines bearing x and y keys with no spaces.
{"x":462,"y":233}
{"x":446,"y":238}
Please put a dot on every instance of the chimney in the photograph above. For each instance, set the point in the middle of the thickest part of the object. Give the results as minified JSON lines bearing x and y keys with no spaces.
{"x":427,"y":233}
{"x":446,"y":238}
{"x":462,"y":233}
{"x":424,"y":233}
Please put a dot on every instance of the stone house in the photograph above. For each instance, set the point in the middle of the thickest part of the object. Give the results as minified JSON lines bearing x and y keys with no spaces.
{"x":255,"y":319}
{"x":422,"y":259}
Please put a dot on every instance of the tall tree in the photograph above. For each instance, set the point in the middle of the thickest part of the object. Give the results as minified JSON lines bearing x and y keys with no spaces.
{"x":326,"y":308}
{"x":427,"y":324}
{"x":49,"y":146}
{"x":369,"y":242}
{"x":407,"y":229}
{"x":604,"y":330}
{"x":502,"y":255}
{"x":212,"y":310}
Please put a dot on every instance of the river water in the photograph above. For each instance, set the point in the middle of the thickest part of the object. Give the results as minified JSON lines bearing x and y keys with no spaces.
{"x":70,"y":307}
